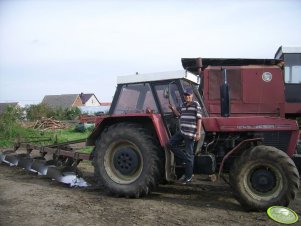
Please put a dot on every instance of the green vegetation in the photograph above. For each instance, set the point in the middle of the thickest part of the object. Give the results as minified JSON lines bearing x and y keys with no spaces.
{"x":39,"y":137}
{"x":9,"y":124}
{"x":39,"y":111}
{"x":11,"y":130}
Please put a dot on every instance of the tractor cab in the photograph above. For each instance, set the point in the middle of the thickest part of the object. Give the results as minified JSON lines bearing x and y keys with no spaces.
{"x":153,"y":93}
{"x":291,"y":57}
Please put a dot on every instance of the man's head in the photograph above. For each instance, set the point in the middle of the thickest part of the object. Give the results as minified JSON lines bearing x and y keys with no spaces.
{"x":188,"y":94}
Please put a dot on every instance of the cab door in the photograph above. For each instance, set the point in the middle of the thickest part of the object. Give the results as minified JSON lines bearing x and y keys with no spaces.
{"x":167,"y":93}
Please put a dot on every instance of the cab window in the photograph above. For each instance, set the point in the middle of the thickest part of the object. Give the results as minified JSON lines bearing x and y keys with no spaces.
{"x":135,"y":98}
{"x":163,"y":96}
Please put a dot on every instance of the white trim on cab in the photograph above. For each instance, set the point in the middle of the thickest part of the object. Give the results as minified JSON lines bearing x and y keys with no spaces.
{"x":159,"y":76}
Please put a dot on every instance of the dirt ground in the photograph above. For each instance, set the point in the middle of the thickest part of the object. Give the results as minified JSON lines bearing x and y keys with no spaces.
{"x":28,"y":199}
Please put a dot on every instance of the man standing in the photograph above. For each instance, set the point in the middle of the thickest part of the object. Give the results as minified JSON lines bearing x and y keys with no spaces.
{"x":190,"y":131}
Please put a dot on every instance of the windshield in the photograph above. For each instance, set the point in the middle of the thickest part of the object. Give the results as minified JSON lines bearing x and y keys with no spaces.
{"x":292,"y":68}
{"x":135,"y":98}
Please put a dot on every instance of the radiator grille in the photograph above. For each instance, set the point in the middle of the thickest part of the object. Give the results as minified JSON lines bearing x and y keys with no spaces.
{"x":278,"y":140}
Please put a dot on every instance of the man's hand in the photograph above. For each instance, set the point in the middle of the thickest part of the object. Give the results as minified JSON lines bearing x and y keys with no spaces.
{"x":198,"y":130}
{"x":174,"y":110}
{"x":197,"y":137}
{"x":171,"y":107}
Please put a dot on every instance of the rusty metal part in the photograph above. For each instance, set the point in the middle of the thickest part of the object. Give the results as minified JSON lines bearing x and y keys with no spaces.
{"x":4,"y":153}
{"x":41,"y":166}
{"x":57,"y":169}
{"x":13,"y":159}
{"x":233,"y":150}
{"x":66,"y":175}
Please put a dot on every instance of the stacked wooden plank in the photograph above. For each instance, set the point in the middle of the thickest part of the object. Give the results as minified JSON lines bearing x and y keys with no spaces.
{"x":49,"y":123}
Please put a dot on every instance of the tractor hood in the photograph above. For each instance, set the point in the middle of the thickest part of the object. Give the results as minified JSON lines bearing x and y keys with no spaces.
{"x":278,"y":132}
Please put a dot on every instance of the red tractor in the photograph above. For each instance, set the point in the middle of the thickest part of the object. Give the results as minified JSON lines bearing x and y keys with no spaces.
{"x":131,"y":156}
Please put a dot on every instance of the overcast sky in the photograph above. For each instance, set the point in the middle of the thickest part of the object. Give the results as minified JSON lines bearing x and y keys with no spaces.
{"x":68,"y":47}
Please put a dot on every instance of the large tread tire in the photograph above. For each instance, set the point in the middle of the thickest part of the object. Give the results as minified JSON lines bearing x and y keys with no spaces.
{"x":127,"y":145}
{"x":299,"y":147}
{"x":264,"y":176}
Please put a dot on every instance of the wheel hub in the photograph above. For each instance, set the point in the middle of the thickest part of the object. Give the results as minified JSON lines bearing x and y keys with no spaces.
{"x":263,"y":180}
{"x":126,"y":161}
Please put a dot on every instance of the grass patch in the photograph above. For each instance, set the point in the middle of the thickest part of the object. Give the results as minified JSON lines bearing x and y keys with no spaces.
{"x":39,"y":137}
{"x":12,"y":130}
{"x":69,"y":135}
{"x":87,"y":149}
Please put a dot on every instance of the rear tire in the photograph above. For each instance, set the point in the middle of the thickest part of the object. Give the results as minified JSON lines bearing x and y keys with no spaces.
{"x":127,"y":160}
{"x":264,"y":176}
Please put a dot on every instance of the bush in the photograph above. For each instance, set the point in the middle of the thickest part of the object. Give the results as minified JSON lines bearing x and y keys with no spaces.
{"x":72,"y":113}
{"x":39,"y":111}
{"x":66,"y":114}
{"x":9,"y":121}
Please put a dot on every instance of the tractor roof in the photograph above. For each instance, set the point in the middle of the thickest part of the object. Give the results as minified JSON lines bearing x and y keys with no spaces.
{"x":191,"y":64}
{"x":285,"y":49}
{"x":159,"y":76}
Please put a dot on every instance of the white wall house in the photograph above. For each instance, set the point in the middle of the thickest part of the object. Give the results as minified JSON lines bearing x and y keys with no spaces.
{"x":89,"y":99}
{"x":92,"y":102}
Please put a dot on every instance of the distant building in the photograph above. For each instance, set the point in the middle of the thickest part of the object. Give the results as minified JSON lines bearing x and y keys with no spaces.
{"x":3,"y":106}
{"x":62,"y":101}
{"x":89,"y":99}
{"x":71,"y":100}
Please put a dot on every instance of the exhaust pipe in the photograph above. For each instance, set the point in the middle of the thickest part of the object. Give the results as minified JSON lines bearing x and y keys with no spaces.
{"x":225,"y":96}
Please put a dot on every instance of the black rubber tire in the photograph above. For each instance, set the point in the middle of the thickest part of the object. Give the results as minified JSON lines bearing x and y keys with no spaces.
{"x":299,"y":147}
{"x":144,"y":170}
{"x":264,"y":176}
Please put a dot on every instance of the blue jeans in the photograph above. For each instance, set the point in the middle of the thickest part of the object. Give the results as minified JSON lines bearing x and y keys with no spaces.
{"x":186,"y":155}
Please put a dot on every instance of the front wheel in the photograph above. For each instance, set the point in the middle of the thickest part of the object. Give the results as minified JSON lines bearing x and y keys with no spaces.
{"x":127,"y":160}
{"x":264,"y":176}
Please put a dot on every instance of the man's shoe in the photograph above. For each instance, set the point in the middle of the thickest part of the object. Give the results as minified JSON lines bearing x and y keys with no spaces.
{"x":182,"y":178}
{"x":187,"y":180}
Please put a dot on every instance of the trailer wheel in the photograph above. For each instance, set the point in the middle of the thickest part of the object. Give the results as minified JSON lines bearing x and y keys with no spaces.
{"x":127,"y":160}
{"x":264,"y":176}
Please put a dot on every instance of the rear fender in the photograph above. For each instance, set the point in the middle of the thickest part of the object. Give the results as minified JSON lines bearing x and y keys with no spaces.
{"x":153,"y":122}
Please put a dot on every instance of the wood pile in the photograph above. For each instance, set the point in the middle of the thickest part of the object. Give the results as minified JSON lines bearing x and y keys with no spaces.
{"x":49,"y":123}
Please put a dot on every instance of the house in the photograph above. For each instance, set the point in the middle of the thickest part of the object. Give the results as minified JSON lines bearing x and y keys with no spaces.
{"x":71,"y":100}
{"x":89,"y":99}
{"x":63,"y":101}
{"x":3,"y":106}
